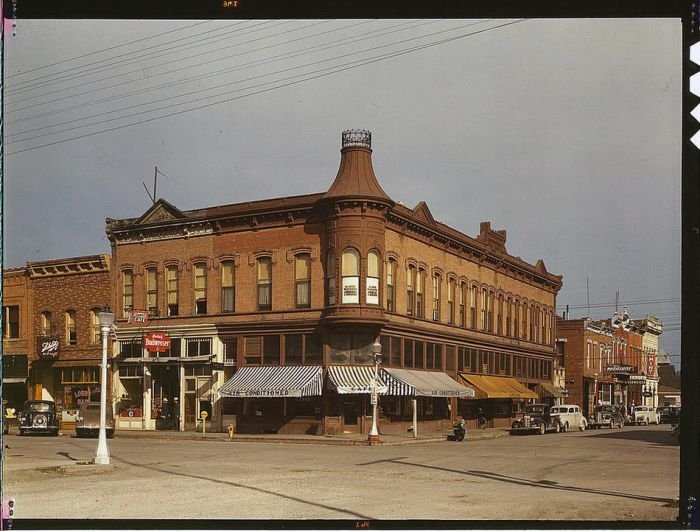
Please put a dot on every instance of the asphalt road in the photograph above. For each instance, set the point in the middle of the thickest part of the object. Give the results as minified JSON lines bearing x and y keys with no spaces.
{"x":628,"y":474}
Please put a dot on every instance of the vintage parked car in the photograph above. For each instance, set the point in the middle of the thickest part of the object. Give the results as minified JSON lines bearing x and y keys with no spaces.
{"x":669,"y":414}
{"x":38,"y":416}
{"x":644,"y":415}
{"x":570,"y":417}
{"x":87,"y":423}
{"x":606,"y":416}
{"x":536,"y":418}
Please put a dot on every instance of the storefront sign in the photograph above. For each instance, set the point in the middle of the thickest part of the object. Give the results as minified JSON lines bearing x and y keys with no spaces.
{"x":620,"y":369}
{"x":48,"y":347}
{"x":351,"y":290}
{"x":372,"y":295}
{"x":156,"y":342}
{"x":636,"y":379}
{"x":139,"y":317}
{"x":651,"y":366}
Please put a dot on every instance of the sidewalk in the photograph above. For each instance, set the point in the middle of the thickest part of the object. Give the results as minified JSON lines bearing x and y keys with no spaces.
{"x":347,"y":439}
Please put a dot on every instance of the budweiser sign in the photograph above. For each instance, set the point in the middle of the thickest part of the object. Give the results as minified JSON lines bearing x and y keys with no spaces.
{"x":156,"y":342}
{"x":47,"y":347}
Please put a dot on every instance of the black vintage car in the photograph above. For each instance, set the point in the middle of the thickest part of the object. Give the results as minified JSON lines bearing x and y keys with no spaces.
{"x":38,"y":416}
{"x":537,"y":418}
{"x":606,"y":416}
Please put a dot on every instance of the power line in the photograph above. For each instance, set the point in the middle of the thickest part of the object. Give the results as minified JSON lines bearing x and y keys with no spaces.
{"x":320,"y":73}
{"x":612,"y":305}
{"x":286,"y":55}
{"x":106,"y":49}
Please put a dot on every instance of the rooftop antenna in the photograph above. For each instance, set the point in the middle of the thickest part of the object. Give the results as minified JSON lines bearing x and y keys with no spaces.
{"x":155,"y":186}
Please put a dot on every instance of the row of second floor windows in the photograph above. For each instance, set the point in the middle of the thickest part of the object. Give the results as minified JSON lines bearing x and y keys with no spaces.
{"x":66,"y":328}
{"x":467,"y":304}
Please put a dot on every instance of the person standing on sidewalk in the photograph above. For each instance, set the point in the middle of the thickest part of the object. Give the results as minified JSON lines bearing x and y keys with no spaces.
{"x":176,"y":414}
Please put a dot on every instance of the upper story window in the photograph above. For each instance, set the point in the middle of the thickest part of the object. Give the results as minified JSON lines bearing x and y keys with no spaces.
{"x":516,"y":321}
{"x":46,"y":323}
{"x":171,"y":289}
{"x":302,"y":279}
{"x":71,"y":336}
{"x":390,"y":284}
{"x":543,"y":334}
{"x":490,"y":311}
{"x":499,"y":315}
{"x":200,"y":289}
{"x":373,"y":276}
{"x":509,"y":315}
{"x":152,"y":291}
{"x":410,"y":290}
{"x":95,"y":326}
{"x":472,"y":307}
{"x":11,"y":316}
{"x":264,"y":265}
{"x":436,"y":296}
{"x":484,"y":304}
{"x":462,"y":304}
{"x":127,"y":291}
{"x":227,"y":286}
{"x":331,"y":289}
{"x":350,"y":272}
{"x":588,"y":355}
{"x":523,"y":318}
{"x":530,"y":320}
{"x":420,"y":289}
{"x":451,"y":301}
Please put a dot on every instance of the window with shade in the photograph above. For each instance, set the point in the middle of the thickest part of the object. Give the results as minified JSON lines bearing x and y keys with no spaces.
{"x":420,"y":289}
{"x":302,"y":278}
{"x":71,"y":337}
{"x":484,"y":304}
{"x":499,"y":315}
{"x":95,"y":325}
{"x":331,"y":290}
{"x":390,"y":280}
{"x":490,"y":312}
{"x":171,"y":290}
{"x":127,"y":291}
{"x":46,"y":323}
{"x":472,"y":307}
{"x":437,"y":281}
{"x":11,"y":322}
{"x":227,"y":286}
{"x":264,"y":267}
{"x":373,"y":276}
{"x":350,"y":272}
{"x":516,"y":321}
{"x":509,"y":315}
{"x":152,"y":291}
{"x":200,"y":289}
{"x":451,"y":301}
{"x":410,"y":290}
{"x":462,"y":305}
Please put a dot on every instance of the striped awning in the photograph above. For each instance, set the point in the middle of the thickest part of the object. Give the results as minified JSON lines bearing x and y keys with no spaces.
{"x":423,"y":383}
{"x":270,"y":382}
{"x":354,"y":379}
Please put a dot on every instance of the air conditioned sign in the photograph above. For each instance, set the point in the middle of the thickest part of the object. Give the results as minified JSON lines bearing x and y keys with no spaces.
{"x":156,"y":342}
{"x":47,"y":347}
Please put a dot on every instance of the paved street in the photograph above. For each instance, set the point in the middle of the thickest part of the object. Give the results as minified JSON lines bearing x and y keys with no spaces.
{"x":629,"y":474}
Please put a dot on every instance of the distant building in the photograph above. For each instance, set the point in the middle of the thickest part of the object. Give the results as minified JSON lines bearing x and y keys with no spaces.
{"x":267,"y":310}
{"x":17,"y":335}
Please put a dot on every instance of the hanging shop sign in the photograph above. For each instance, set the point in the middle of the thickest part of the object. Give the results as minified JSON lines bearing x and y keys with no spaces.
{"x":651,"y":366}
{"x":620,"y":369}
{"x":138,"y":317}
{"x":47,"y":347}
{"x":156,"y":342}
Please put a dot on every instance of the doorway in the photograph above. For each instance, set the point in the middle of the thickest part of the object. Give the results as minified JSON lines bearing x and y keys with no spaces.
{"x":351,"y":407}
{"x":165,"y":388}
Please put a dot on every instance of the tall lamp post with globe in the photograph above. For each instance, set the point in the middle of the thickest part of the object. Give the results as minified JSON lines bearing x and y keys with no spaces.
{"x":377,"y":358}
{"x":106,"y":318}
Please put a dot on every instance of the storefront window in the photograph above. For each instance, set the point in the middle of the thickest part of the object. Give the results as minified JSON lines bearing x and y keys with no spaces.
{"x":198,"y":346}
{"x":293,"y":349}
{"x":351,"y":349}
{"x":408,"y":359}
{"x":449,"y":358}
{"x":130,"y":348}
{"x":419,"y":355}
{"x":313,"y":349}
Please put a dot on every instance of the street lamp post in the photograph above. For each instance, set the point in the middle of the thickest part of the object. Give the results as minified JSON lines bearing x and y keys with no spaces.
{"x":106,"y":318}
{"x":377,"y":355}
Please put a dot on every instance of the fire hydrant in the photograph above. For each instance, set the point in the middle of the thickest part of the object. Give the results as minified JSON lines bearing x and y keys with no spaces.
{"x":230,"y":431}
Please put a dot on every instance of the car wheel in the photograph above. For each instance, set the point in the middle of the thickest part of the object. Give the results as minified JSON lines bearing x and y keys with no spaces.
{"x":612,"y":424}
{"x":557,"y":428}
{"x":543,"y":429}
{"x":582,"y":426}
{"x":565,"y":427}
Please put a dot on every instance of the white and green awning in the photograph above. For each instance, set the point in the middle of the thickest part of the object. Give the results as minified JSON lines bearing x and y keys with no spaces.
{"x":271,"y":382}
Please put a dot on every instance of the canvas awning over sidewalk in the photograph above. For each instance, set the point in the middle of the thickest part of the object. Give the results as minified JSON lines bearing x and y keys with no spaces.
{"x":354,"y":379}
{"x":497,"y":386}
{"x":270,"y":382}
{"x":424,"y":383}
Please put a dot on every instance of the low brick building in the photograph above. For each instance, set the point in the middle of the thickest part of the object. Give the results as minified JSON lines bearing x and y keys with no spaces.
{"x":269,"y":310}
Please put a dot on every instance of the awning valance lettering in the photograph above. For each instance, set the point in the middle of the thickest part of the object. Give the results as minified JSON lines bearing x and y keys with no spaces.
{"x":270,"y":382}
{"x":6,"y":381}
{"x":497,"y":386}
{"x":423,"y":383}
{"x":354,"y":379}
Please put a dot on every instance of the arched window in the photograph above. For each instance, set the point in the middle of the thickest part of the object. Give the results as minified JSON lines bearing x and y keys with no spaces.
{"x":451,"y":293}
{"x":264,"y":266}
{"x":95,"y":325}
{"x":531,"y":322}
{"x":588,"y":355}
{"x":350,"y":272}
{"x":228,"y":286}
{"x":420,"y":288}
{"x":437,"y":281}
{"x":200,"y":289}
{"x":499,"y":315}
{"x":171,"y":289}
{"x":390,"y":282}
{"x":472,"y":307}
{"x":302,"y":280}
{"x":127,"y":291}
{"x":71,"y":337}
{"x":484,"y":307}
{"x":509,"y":315}
{"x":330,"y":275}
{"x":543,"y":333}
{"x":373,"y":276}
{"x":152,"y":291}
{"x":46,"y":323}
{"x":516,"y":320}
{"x":410,"y":290}
{"x":491,"y":304}
{"x":462,"y":303}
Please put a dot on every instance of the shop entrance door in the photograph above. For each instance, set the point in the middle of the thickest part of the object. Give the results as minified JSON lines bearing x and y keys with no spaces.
{"x":166,"y":385}
{"x":351,"y":408}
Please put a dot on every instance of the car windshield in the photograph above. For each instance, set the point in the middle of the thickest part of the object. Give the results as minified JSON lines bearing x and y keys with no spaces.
{"x":39,"y":406}
{"x":534,"y":409}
